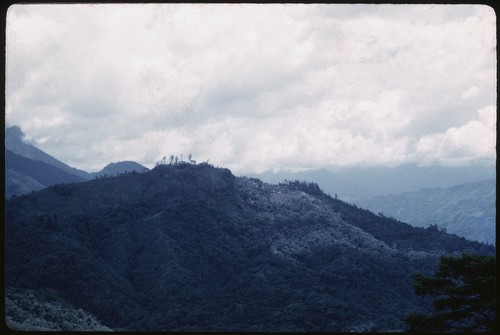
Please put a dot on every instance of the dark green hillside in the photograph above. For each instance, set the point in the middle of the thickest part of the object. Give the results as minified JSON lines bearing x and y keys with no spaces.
{"x":192,"y":247}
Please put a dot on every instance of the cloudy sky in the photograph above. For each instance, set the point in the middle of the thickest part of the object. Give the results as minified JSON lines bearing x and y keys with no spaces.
{"x":254,"y":87}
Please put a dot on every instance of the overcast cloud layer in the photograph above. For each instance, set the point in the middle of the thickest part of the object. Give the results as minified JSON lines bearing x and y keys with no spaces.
{"x":254,"y":87}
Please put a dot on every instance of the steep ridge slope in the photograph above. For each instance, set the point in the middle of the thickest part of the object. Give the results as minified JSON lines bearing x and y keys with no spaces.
{"x":191,"y":247}
{"x":14,"y":141}
{"x":24,"y":175}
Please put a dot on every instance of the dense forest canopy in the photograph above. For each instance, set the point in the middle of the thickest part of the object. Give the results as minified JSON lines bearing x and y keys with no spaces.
{"x":191,"y":247}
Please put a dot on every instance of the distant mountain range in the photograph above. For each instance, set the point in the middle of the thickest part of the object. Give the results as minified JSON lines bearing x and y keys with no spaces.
{"x":191,"y":247}
{"x":355,"y":183}
{"x":28,"y":168}
{"x":350,"y":184}
{"x":467,"y":210}
{"x":461,"y":200}
{"x":421,"y":196}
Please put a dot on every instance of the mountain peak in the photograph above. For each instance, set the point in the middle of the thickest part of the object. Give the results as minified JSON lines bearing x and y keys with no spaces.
{"x":15,"y":141}
{"x":112,"y":169}
{"x":13,"y":133}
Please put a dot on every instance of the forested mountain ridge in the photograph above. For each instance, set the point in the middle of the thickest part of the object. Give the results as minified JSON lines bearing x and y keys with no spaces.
{"x":192,"y":247}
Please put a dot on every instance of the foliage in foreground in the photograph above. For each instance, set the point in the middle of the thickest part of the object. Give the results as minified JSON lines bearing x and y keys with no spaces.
{"x":27,"y":310}
{"x":463,"y":292}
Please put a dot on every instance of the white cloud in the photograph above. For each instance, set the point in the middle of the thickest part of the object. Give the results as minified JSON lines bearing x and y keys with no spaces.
{"x":471,"y":92}
{"x":252,"y":87}
{"x":474,"y":140}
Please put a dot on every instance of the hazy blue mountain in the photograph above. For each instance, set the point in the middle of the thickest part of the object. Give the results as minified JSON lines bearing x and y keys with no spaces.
{"x":23,"y":175}
{"x":355,"y":182}
{"x":187,"y":247}
{"x":467,"y":210}
{"x":17,"y":183}
{"x":113,"y":169}
{"x":28,"y":168}
{"x":15,"y":143}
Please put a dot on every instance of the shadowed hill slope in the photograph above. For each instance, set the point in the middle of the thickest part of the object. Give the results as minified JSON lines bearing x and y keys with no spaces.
{"x":24,"y":175}
{"x":187,"y":247}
